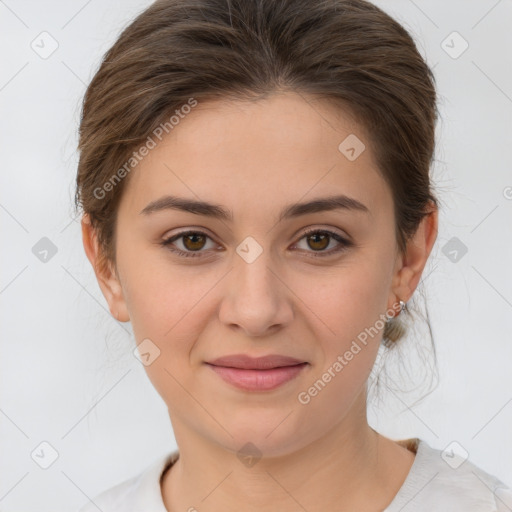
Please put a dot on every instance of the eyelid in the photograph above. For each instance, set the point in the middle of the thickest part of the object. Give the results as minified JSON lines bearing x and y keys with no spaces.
{"x":188,"y":229}
{"x":315,"y":229}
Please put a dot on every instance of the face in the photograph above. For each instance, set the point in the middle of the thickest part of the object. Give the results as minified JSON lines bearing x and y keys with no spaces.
{"x":305,"y":283}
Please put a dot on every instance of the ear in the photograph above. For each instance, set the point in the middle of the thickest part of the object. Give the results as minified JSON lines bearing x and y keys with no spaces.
{"x":105,"y":273}
{"x":410,"y":265}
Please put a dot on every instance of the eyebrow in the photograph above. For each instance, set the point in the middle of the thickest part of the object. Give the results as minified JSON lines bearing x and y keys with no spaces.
{"x":196,"y":207}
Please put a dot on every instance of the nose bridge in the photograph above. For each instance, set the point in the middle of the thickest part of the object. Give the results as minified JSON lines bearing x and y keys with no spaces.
{"x":255,"y":299}
{"x":255,"y":279}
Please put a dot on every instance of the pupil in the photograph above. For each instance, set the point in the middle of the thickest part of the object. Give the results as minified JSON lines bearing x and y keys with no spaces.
{"x":324,"y":238}
{"x":188,"y":240}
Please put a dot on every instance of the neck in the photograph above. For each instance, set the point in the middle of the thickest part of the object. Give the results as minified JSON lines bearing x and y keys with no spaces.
{"x":351,"y":467}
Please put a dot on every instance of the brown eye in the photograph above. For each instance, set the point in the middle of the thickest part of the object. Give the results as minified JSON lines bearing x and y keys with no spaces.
{"x":194,"y":241}
{"x":318,"y":241}
{"x":191,"y":243}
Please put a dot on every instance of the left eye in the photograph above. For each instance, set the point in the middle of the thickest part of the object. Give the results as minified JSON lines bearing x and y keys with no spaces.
{"x":194,"y":241}
{"x":319,"y":240}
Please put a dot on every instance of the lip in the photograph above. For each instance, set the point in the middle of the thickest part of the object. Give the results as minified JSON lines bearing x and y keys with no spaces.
{"x":245,"y":362}
{"x":257,"y":374}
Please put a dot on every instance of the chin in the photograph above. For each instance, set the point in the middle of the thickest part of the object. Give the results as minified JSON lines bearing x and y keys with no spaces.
{"x":269,"y":437}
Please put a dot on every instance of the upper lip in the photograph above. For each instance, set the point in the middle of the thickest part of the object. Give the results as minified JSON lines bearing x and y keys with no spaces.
{"x":246,"y":362}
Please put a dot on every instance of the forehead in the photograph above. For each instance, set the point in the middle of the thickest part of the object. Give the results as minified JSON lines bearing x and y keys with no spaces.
{"x":278,"y":149}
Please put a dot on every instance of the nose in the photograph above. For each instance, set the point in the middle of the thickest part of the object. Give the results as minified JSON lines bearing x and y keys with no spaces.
{"x":256,"y":299}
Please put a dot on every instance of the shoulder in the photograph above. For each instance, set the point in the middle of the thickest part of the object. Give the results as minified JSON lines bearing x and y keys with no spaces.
{"x":444,"y":480}
{"x":135,"y":494}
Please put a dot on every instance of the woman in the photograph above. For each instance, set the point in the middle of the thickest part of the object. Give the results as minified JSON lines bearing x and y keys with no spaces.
{"x":254,"y":180}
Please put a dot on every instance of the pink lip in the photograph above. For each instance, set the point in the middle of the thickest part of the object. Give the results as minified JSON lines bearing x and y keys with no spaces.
{"x":257,"y":374}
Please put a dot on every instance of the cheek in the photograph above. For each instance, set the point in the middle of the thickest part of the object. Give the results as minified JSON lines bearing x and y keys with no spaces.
{"x":171,"y":307}
{"x":160,"y":294}
{"x":346,"y":319}
{"x":348,"y":300}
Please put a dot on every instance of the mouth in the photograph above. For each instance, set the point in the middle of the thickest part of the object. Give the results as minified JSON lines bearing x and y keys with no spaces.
{"x":257,"y":374}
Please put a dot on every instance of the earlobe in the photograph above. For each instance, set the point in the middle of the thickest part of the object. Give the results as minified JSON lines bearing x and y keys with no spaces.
{"x":106,"y":276}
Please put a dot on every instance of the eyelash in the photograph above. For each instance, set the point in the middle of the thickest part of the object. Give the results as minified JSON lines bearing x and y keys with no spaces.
{"x":344,"y":243}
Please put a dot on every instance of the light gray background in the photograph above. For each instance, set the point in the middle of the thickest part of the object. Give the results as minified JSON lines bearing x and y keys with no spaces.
{"x":68,"y":376}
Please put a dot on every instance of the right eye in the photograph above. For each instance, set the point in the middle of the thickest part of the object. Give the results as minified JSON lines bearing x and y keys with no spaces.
{"x":191,"y":241}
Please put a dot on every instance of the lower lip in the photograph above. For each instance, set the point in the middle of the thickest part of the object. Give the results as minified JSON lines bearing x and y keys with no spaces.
{"x":258,"y":380}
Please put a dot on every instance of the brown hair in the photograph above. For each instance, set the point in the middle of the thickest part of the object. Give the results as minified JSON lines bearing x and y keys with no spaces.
{"x":347,"y":51}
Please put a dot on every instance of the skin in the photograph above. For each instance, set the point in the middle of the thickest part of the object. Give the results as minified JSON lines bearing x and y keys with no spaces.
{"x":254,"y":159}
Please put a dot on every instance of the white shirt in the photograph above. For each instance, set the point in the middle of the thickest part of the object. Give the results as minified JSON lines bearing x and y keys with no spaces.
{"x":432,"y":485}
